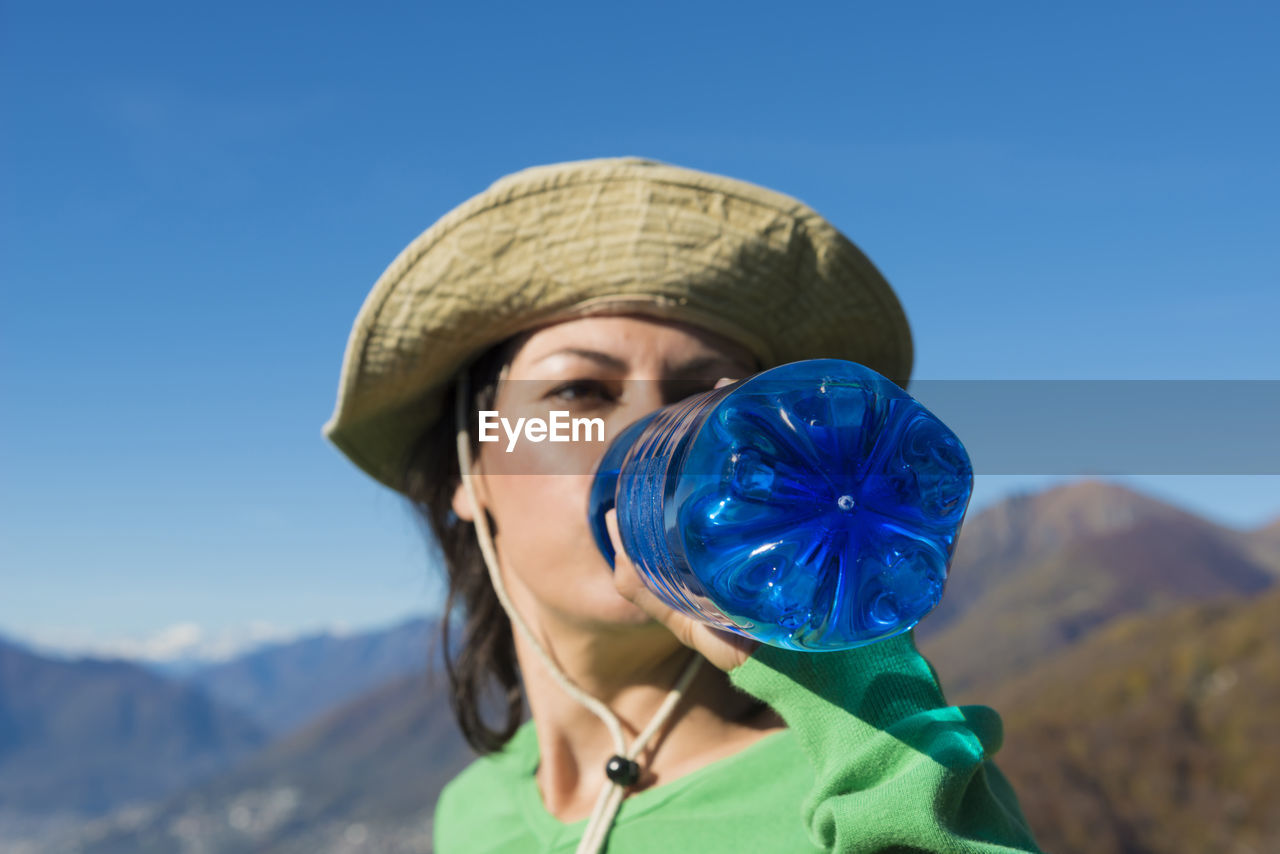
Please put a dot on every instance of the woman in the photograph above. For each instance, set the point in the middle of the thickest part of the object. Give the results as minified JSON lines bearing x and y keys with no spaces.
{"x":609,"y":288}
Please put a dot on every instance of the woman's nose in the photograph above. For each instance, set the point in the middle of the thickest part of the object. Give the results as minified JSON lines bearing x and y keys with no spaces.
{"x":675,"y":390}
{"x":648,"y":395}
{"x":644,"y":397}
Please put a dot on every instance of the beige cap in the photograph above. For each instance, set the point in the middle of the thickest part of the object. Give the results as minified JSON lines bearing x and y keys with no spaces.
{"x":599,"y":237}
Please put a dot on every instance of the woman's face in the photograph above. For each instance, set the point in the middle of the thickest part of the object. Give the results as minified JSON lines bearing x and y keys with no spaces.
{"x":617,"y":369}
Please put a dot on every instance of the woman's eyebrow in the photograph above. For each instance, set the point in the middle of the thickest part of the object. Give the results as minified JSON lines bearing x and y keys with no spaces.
{"x":693,"y":366}
{"x":611,"y":362}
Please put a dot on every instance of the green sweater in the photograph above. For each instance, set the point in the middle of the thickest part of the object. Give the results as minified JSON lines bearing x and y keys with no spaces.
{"x":873,"y":760}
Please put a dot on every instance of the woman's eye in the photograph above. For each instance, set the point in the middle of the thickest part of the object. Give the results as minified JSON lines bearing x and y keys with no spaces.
{"x":582,"y":390}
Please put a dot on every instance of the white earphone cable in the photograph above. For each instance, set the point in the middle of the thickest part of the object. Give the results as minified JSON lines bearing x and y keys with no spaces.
{"x":613,"y":793}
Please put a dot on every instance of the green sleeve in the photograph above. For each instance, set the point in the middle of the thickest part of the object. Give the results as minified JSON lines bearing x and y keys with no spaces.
{"x":897,"y":769}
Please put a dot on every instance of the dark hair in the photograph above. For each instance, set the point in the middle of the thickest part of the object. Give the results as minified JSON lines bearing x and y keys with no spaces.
{"x":487,"y":648}
{"x":430,"y":477}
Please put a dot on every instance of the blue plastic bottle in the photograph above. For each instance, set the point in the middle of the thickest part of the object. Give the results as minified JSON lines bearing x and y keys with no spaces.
{"x":813,"y":506}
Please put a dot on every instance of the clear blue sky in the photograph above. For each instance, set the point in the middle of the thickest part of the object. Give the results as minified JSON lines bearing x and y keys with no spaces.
{"x":198,"y":197}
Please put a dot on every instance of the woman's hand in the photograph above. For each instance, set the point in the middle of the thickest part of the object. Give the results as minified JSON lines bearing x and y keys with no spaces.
{"x":725,"y":650}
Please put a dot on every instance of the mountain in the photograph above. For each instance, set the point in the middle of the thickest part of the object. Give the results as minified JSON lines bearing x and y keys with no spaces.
{"x":1002,"y":540}
{"x":284,"y":685}
{"x":1264,"y":545}
{"x":1156,"y":734}
{"x":1075,"y":605}
{"x":364,"y":777}
{"x":88,"y":735}
{"x":1155,"y":563}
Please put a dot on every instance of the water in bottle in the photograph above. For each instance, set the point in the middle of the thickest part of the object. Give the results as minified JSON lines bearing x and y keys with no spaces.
{"x":813,"y":506}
